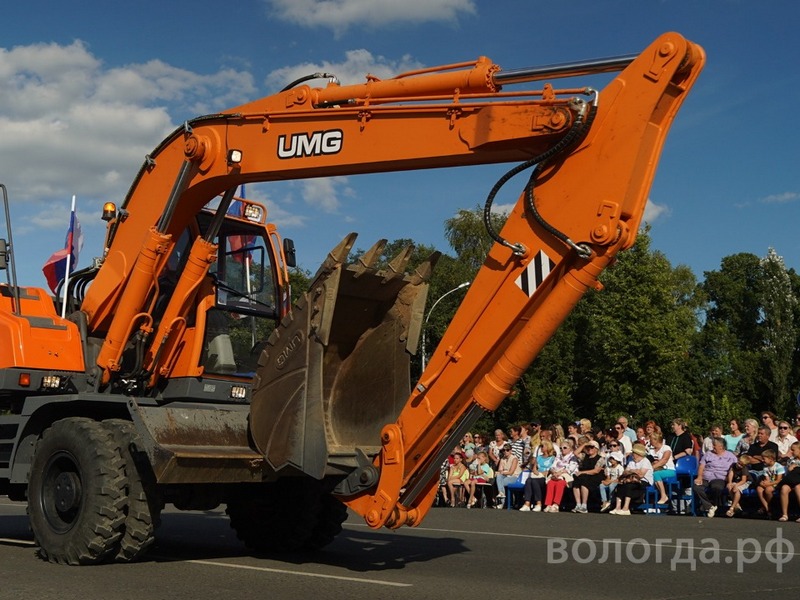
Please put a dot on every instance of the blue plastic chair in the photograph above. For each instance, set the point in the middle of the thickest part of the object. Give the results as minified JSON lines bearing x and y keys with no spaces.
{"x":516,"y":486}
{"x":685,"y":472}
{"x":650,"y":505}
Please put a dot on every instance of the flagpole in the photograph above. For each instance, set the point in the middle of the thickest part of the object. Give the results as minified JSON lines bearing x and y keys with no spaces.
{"x":246,"y":257}
{"x":70,"y":242}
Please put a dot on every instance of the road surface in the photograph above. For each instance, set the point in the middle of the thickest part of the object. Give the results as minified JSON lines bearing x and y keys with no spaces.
{"x":455,"y":553}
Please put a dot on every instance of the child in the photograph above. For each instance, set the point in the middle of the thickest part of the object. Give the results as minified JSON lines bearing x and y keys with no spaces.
{"x":737,"y":481}
{"x":480,"y":475}
{"x":773,"y":473}
{"x":791,"y":481}
{"x":613,"y":470}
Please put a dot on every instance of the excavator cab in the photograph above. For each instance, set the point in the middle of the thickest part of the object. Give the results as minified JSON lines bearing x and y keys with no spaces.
{"x":246,"y":304}
{"x":241,"y":298}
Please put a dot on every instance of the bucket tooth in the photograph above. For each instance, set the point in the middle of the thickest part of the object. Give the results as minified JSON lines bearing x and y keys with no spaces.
{"x":339,"y":254}
{"x":397,"y":266}
{"x":366,"y":262}
{"x":423,"y":272}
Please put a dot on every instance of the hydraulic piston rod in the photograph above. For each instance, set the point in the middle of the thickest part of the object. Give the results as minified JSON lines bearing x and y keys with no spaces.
{"x":574,"y":69}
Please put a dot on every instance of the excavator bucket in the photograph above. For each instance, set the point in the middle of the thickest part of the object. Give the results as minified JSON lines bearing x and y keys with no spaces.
{"x":336,"y":370}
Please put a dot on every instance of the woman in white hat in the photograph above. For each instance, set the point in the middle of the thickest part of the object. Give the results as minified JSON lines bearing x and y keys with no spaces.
{"x":634,"y":480}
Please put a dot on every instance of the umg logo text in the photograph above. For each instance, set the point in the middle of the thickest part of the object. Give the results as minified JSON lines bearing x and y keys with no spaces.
{"x":310,"y":144}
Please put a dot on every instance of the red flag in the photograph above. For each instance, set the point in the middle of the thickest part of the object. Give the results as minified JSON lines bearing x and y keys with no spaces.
{"x":55,"y":269}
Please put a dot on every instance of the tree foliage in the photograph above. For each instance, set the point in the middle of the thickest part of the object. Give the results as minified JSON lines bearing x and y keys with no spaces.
{"x":653,"y":344}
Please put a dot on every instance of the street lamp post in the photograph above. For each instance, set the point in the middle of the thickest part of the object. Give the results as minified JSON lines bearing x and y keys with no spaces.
{"x":428,"y":316}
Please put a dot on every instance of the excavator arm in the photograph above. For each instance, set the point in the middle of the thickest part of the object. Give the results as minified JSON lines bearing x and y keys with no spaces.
{"x":578,"y":210}
{"x":590,"y":157}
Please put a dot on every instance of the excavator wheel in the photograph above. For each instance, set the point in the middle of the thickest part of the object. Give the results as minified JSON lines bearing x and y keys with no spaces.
{"x":77,"y":493}
{"x":291,"y":514}
{"x":332,"y":514}
{"x":143,"y":512}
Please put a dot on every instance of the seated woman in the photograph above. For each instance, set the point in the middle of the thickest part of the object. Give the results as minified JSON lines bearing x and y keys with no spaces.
{"x":535,"y":484}
{"x":496,"y":448}
{"x":663,"y":465}
{"x":507,"y":472}
{"x":457,"y":477}
{"x":481,"y":475}
{"x":588,"y":476}
{"x":634,"y":481}
{"x":709,"y":483}
{"x":791,"y":481}
{"x":560,"y":475}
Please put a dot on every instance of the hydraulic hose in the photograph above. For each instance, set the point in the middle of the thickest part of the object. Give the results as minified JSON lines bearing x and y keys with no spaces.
{"x":577,"y":132}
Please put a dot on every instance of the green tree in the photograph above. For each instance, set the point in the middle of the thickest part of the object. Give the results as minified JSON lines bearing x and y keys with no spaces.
{"x":547,"y":390}
{"x":299,"y":280}
{"x":779,"y":331}
{"x":750,"y":335}
{"x":794,"y":378}
{"x":467,"y":236}
{"x":633,"y":340}
{"x":726,"y":345}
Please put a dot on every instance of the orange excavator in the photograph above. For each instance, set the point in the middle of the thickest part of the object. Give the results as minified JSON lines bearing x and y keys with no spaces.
{"x":182,"y":374}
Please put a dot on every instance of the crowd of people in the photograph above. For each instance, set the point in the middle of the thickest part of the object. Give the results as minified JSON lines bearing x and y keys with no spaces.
{"x":611,"y":470}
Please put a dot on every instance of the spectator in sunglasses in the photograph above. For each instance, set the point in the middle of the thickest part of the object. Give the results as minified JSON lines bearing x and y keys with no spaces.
{"x":618,"y":434}
{"x":784,"y":441}
{"x":769,"y":419}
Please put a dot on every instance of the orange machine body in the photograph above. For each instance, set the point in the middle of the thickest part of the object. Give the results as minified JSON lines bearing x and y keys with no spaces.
{"x":595,"y":155}
{"x":35,"y":336}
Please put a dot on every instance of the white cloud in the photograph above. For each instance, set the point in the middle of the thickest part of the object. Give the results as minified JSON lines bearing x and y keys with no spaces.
{"x":784,"y":198}
{"x":339,"y":15}
{"x":653,"y":211}
{"x":503,"y":209}
{"x":325,"y":193}
{"x":69,"y":125}
{"x":54,"y":222}
{"x":157,"y":81}
{"x":353,"y":69}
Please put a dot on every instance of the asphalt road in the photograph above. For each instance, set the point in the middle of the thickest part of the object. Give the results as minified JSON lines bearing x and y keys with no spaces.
{"x":455,"y":553}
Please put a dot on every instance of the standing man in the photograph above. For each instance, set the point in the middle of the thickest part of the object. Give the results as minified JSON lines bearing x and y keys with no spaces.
{"x":534,"y":430}
{"x":629,"y":433}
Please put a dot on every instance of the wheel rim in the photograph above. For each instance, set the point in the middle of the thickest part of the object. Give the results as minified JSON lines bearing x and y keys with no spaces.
{"x":62,"y":492}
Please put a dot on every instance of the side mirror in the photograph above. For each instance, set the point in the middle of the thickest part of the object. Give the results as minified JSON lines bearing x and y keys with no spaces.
{"x":3,"y":255}
{"x":289,"y":254}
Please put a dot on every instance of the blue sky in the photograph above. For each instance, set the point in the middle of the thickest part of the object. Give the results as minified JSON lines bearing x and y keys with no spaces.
{"x":86,"y":90}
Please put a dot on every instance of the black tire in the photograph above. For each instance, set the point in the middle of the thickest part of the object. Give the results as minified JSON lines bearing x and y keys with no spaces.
{"x":77,"y":493}
{"x":142,"y":514}
{"x":329,"y":523}
{"x":290,"y":515}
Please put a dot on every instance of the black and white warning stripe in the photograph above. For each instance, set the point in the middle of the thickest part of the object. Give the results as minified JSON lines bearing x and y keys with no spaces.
{"x":535,"y":273}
